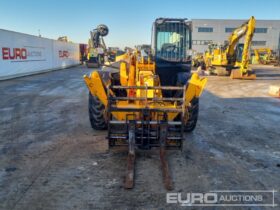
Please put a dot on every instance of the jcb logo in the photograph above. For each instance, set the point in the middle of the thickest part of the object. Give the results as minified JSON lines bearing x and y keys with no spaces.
{"x":14,"y":53}
{"x":63,"y":54}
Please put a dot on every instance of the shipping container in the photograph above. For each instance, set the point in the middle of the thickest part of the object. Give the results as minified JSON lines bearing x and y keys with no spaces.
{"x":23,"y":54}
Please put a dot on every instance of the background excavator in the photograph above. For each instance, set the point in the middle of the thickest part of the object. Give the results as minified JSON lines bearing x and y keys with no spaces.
{"x":151,"y":99}
{"x":265,"y":56}
{"x":233,"y":58}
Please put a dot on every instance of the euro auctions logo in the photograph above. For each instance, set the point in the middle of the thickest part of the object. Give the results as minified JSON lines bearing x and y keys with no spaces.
{"x":63,"y":53}
{"x":14,"y":53}
{"x":23,"y":54}
{"x":224,"y":198}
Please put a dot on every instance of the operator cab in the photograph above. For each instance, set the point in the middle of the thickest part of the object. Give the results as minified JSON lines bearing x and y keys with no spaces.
{"x":239,"y":51}
{"x":171,"y":49}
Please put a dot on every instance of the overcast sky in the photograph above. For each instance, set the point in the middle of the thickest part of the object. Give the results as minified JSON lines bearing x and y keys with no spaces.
{"x":129,"y":21}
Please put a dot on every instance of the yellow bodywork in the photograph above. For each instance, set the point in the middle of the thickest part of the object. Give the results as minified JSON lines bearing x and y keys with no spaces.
{"x":136,"y":72}
{"x":124,"y":56}
{"x":260,"y":51}
{"x":218,"y":57}
{"x":244,"y":66}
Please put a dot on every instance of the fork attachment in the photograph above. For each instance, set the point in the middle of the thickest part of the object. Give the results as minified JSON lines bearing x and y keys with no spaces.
{"x":165,"y":168}
{"x":129,"y":178}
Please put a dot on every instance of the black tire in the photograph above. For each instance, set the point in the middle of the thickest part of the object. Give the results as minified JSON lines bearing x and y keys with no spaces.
{"x":203,"y":65}
{"x":96,"y":113}
{"x":193,"y":110}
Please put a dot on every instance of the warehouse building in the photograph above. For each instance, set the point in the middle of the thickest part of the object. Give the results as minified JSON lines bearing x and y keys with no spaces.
{"x":267,"y":33}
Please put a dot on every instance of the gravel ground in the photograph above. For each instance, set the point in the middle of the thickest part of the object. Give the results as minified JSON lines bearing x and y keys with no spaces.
{"x":50,"y":158}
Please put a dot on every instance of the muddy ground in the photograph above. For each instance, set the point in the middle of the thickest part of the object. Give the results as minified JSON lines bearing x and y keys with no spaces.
{"x":50,"y":158}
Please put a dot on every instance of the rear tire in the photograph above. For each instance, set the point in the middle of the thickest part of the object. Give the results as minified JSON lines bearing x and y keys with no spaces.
{"x":96,"y":112}
{"x":192,"y":110}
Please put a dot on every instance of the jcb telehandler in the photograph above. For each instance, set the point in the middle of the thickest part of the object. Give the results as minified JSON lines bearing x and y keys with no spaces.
{"x":151,"y":99}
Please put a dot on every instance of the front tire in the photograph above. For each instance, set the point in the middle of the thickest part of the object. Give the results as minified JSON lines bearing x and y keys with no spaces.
{"x":96,"y":111}
{"x":192,"y":110}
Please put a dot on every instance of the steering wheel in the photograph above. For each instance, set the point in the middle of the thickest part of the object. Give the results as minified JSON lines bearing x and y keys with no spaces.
{"x":169,"y":47}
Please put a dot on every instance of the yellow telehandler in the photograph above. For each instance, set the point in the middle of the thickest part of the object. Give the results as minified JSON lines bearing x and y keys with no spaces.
{"x":151,"y":99}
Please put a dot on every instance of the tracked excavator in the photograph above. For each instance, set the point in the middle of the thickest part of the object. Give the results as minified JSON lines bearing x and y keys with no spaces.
{"x":233,"y":58}
{"x":152,"y":99}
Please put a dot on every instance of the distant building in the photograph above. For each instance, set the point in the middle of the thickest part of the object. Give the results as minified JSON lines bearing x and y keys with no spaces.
{"x":267,"y":33}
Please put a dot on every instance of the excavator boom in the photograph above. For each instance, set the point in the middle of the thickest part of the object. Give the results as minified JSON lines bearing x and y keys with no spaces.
{"x":236,"y":35}
{"x":244,"y":72}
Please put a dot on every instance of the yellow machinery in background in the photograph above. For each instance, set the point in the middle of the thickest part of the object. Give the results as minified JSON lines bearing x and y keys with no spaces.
{"x":97,"y":47}
{"x":233,"y":58}
{"x":209,"y":54}
{"x":151,"y":99}
{"x":198,"y":60}
{"x":265,"y":56}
